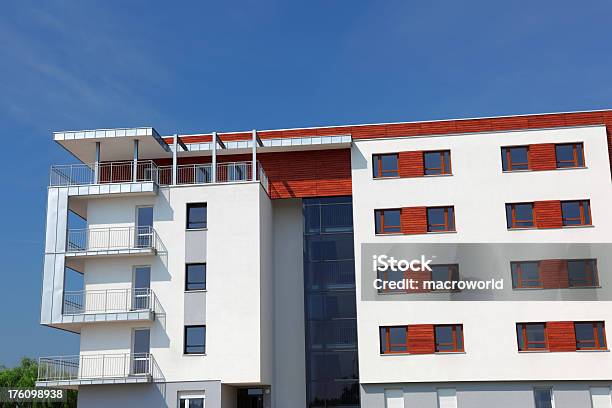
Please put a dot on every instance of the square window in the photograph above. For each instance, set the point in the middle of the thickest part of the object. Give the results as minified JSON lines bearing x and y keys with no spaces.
{"x":436,"y":163}
{"x":576,"y":212}
{"x":394,"y":339}
{"x":449,"y":338}
{"x":526,"y":275}
{"x":195,"y":340}
{"x":590,"y":336}
{"x":385,"y":165}
{"x":440,"y":219}
{"x":519,"y":215}
{"x":195,"y":276}
{"x":196,"y":216}
{"x":569,"y":155}
{"x":543,"y":397}
{"x":388,"y":221}
{"x":515,"y":158}
{"x":531,"y":336}
{"x":582,"y":273}
{"x":444,"y":273}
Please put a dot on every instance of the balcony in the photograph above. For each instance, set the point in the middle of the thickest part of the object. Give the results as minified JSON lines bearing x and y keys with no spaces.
{"x":88,"y":369}
{"x":93,"y":242}
{"x":110,"y":305}
{"x":144,"y":176}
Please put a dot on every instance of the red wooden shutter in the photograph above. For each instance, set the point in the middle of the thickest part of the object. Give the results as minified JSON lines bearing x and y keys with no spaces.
{"x":419,"y":277}
{"x":414,"y":220}
{"x":542,"y":156}
{"x":561,"y":336}
{"x":421,"y":339}
{"x":548,"y":214}
{"x":411,"y":164}
{"x":554,"y":273}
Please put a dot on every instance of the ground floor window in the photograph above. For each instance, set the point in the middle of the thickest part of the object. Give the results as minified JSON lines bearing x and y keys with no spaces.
{"x":191,"y":401}
{"x":543,"y":398}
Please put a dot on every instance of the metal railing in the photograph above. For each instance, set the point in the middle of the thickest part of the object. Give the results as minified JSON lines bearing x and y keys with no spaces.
{"x":98,"y":367}
{"x":114,"y":238}
{"x":202,"y":173}
{"x":103,"y":173}
{"x":109,"y":301}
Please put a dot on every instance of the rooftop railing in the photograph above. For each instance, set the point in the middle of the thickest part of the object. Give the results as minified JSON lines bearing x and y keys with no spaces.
{"x":113,"y":239}
{"x":109,"y":301}
{"x":103,"y":173}
{"x":87,"y":367}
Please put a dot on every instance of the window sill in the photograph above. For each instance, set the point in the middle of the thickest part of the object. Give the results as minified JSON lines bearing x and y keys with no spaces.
{"x":438,"y":175}
{"x":423,"y":354}
{"x":392,"y":234}
{"x":594,"y":351}
{"x":569,"y":287}
{"x":194,"y":354}
{"x":538,"y":171}
{"x":440,"y":232}
{"x":196,"y":229}
{"x":387,"y":178}
{"x":196,"y":291}
{"x":577,"y":226}
{"x":528,"y":229}
{"x":533,"y":351}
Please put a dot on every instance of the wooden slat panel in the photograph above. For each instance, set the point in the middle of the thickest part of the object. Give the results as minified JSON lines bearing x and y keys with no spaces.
{"x":548,"y":214}
{"x":414,"y":220}
{"x":411,"y":164}
{"x":551,"y":271}
{"x":421,"y":339}
{"x":542,"y":156}
{"x":561,"y":336}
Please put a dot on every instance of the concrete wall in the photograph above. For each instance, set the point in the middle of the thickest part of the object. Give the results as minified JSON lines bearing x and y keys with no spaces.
{"x":483,"y":395}
{"x":479,"y":190}
{"x":289,"y":387}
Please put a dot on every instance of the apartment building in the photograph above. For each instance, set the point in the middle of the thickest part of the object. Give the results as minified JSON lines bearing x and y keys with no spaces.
{"x":234,"y":269}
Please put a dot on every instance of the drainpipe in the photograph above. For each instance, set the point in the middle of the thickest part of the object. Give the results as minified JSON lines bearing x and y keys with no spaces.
{"x":254,"y":170}
{"x":174,"y":158}
{"x":135,"y":162}
{"x":214,"y":157}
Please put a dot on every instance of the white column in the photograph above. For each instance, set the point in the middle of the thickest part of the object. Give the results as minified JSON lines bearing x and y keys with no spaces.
{"x":254,"y":170}
{"x":174,"y":158}
{"x":96,"y":179}
{"x":135,"y":162}
{"x":214,"y":158}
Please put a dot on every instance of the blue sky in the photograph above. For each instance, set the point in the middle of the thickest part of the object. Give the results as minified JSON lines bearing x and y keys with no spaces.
{"x":202,"y":66}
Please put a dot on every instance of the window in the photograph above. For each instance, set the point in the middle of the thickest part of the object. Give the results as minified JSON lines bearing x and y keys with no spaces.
{"x":576,"y":212}
{"x":531,"y":336}
{"x":385,"y":165}
{"x":569,"y":155}
{"x":543,"y":397}
{"x":394,"y":398}
{"x":447,"y":397}
{"x":600,"y":397}
{"x":394,"y":339}
{"x":196,"y":216}
{"x":195,"y":276}
{"x":590,"y":336}
{"x":438,"y":162}
{"x":195,"y":340}
{"x":449,"y":338}
{"x":388,"y":221}
{"x":582,"y":272}
{"x":515,"y":158}
{"x":519,"y":215}
{"x":440,"y":219}
{"x":192,"y":401}
{"x":526,"y":275}
{"x":444,"y":273}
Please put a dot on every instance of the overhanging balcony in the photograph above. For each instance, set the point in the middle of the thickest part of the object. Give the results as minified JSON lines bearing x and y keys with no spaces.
{"x":110,"y":305}
{"x":88,"y":369}
{"x":120,"y":241}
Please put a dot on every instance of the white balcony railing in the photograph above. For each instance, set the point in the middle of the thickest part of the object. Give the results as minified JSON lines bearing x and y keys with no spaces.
{"x":87,"y":367}
{"x":113,"y":239}
{"x":109,"y":301}
{"x":103,"y":173}
{"x":202,"y":173}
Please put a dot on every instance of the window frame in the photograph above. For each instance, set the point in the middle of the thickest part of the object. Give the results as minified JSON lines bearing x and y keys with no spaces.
{"x":519,"y":281}
{"x":387,"y":340}
{"x":513,"y":221}
{"x":443,"y":163}
{"x":196,"y":205}
{"x":457,"y":348}
{"x":583,"y":214}
{"x":447,"y":219}
{"x":380,"y":212}
{"x":187,"y":265}
{"x":526,"y":342}
{"x":377,"y":170}
{"x":185,"y":345}
{"x":576,"y":156}
{"x":453,"y":271}
{"x":594,"y":273}
{"x":506,"y":151}
{"x":552,"y":395}
{"x":598,"y":344}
